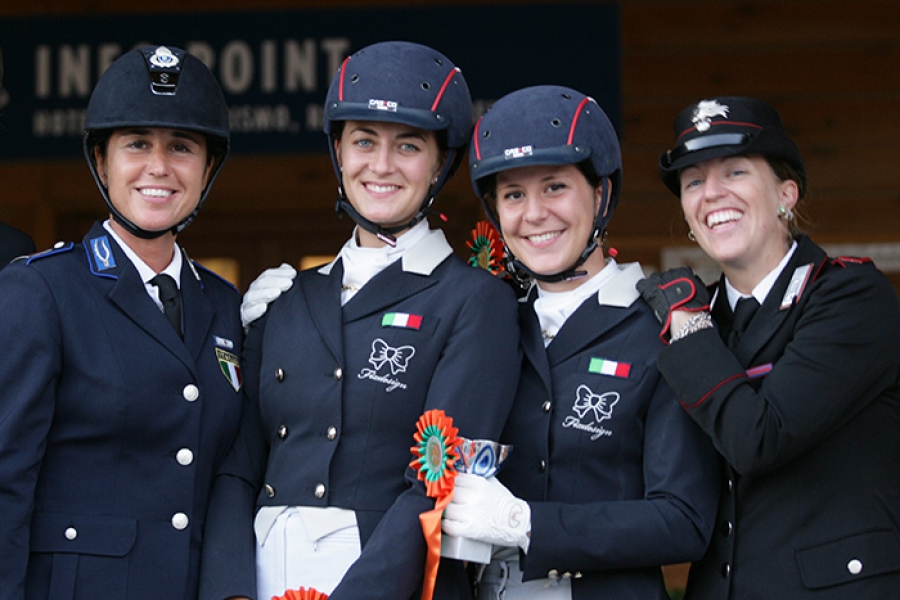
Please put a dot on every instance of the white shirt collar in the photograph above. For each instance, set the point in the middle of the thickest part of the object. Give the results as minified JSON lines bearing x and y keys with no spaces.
{"x":613,"y":286}
{"x":765,"y":286}
{"x":146,"y":273}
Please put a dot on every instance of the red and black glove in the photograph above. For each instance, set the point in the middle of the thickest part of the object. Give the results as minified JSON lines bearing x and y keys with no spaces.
{"x":676,"y":289}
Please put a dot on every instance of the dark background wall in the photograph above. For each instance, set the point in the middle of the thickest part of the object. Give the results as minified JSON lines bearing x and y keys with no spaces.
{"x":831,"y":67}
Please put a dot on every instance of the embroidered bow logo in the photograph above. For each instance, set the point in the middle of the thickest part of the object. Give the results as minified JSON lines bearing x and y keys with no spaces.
{"x":588,"y":404}
{"x":397,"y":359}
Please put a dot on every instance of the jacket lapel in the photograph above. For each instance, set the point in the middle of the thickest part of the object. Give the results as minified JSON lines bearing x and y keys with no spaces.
{"x":797,"y":275}
{"x":197,"y":310}
{"x":532,"y":342}
{"x":385,"y":290}
{"x":108,"y":262}
{"x":323,"y":298}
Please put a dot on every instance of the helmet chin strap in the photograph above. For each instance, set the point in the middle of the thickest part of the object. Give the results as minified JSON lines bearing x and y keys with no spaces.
{"x":132,"y":228}
{"x":386,"y":234}
{"x":522,"y":273}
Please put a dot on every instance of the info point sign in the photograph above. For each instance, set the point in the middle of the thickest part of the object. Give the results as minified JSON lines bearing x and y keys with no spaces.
{"x":275,"y":66}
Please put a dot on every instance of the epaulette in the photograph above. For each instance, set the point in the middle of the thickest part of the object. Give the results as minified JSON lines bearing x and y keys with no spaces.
{"x":843,"y":261}
{"x":58,"y":248}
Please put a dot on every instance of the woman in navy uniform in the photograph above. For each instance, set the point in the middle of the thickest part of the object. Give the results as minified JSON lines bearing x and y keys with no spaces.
{"x":343,"y":363}
{"x":608,"y":479}
{"x":802,"y":398}
{"x":114,"y":416}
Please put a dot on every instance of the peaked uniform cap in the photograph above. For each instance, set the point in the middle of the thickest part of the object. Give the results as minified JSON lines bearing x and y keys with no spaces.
{"x":728,"y":126}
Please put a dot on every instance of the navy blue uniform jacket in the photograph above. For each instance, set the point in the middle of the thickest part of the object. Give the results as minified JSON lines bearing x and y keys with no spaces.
{"x":339,"y":393}
{"x":13,"y":243}
{"x":618,"y":478}
{"x":111,"y":427}
{"x":806,"y":412}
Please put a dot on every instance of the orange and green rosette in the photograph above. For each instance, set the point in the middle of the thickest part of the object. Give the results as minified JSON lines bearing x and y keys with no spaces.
{"x":487,"y":248}
{"x":434,"y":454}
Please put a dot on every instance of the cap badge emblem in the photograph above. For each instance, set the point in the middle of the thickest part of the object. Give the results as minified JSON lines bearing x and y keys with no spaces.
{"x":163,"y":58}
{"x":706,"y":110}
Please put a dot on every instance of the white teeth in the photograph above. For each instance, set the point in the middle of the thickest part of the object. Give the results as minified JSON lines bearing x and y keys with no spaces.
{"x":544,"y":237}
{"x":722,"y":216}
{"x":382,"y":189}
{"x":156,"y":193}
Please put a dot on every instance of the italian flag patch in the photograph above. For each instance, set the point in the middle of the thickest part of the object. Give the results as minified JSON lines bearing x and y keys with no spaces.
{"x":405,"y":320}
{"x":230,"y":367}
{"x":609,"y":367}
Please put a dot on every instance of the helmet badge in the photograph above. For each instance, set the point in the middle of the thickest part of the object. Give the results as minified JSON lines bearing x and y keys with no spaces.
{"x":164,"y":69}
{"x":387,"y":105}
{"x":520,"y":152}
{"x":706,"y":110}
{"x":163,"y":58}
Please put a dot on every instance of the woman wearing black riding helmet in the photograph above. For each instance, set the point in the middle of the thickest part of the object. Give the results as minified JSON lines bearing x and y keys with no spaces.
{"x":793,"y":372}
{"x":346,"y":360}
{"x":120,"y":394}
{"x":607,"y":479}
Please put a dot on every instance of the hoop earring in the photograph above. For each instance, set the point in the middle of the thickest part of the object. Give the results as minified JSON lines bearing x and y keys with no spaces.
{"x":691,"y":237}
{"x":785,"y":213}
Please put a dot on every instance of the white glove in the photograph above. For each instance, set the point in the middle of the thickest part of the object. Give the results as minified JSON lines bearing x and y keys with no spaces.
{"x":483,"y":509}
{"x":266,"y":288}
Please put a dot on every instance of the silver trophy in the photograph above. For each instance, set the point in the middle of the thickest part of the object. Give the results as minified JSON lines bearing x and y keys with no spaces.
{"x":483,"y":458}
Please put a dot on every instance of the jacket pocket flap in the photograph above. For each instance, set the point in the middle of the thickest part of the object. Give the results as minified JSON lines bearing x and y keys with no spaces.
{"x":849,"y":559}
{"x":83,"y":534}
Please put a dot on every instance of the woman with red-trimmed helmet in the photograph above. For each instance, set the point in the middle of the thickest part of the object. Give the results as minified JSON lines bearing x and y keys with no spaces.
{"x":793,"y":373}
{"x":608,"y":479}
{"x":343,"y":363}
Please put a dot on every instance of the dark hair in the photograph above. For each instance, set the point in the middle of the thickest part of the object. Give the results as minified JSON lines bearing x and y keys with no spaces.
{"x":784,"y":171}
{"x":440,"y":136}
{"x":489,"y":182}
{"x":216,"y":147}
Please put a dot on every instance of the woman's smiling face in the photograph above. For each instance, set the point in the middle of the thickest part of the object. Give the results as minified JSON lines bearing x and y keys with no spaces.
{"x":732,"y":205}
{"x":387,"y":169}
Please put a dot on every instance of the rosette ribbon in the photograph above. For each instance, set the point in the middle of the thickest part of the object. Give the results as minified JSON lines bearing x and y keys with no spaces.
{"x":434,"y":455}
{"x":302,"y":594}
{"x":487,"y":248}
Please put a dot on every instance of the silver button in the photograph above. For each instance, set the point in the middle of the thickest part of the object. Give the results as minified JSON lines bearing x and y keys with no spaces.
{"x":270,"y":491}
{"x":71,"y":533}
{"x":320,"y":490}
{"x":727,"y":528}
{"x":184,"y":457}
{"x":191,"y":392}
{"x":726,"y":570}
{"x":282,"y":431}
{"x":279,"y":374}
{"x":332,"y":433}
{"x":338,"y":373}
{"x":546,"y":406}
{"x":59,"y":245}
{"x":855,"y":567}
{"x":542,"y":466}
{"x":729,"y":486}
{"x":179,"y":521}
